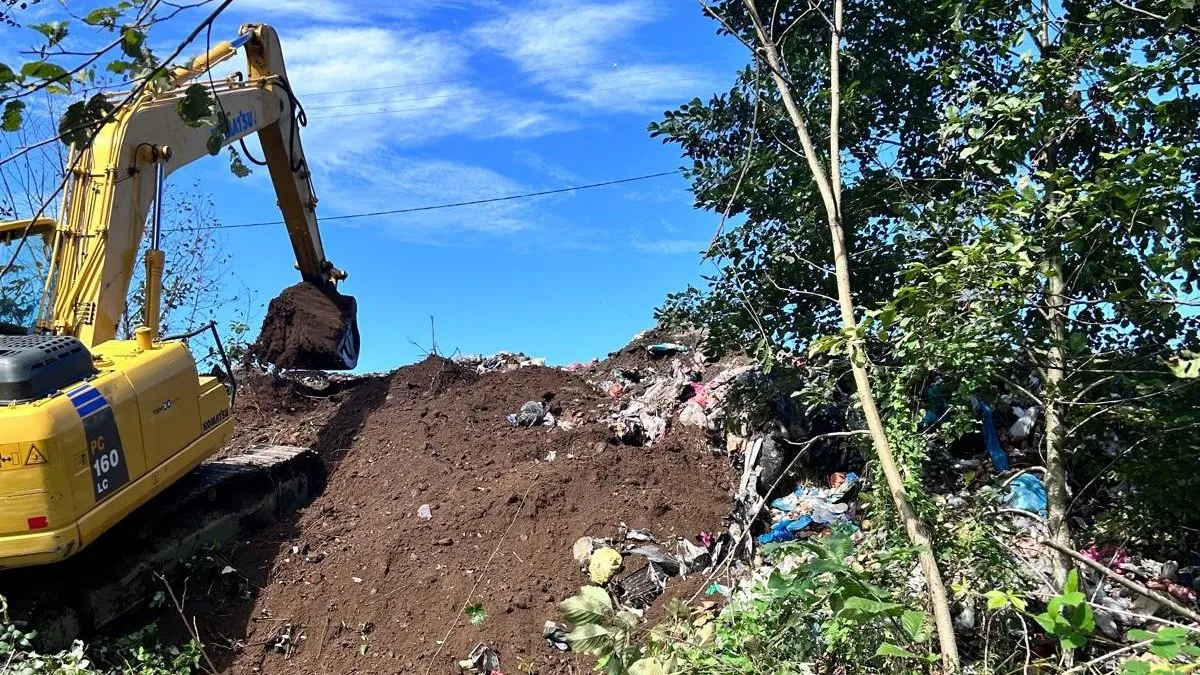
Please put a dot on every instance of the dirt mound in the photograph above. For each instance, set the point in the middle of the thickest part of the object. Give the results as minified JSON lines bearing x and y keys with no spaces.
{"x":359,"y":582}
{"x":308,"y":327}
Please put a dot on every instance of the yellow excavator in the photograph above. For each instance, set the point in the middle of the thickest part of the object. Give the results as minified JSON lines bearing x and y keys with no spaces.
{"x":92,"y":427}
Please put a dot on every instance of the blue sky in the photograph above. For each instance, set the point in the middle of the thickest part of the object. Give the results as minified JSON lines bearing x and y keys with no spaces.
{"x":485,"y":99}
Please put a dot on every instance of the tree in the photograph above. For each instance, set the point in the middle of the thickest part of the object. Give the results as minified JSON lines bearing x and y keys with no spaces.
{"x":1072,"y":129}
{"x":819,"y":186}
{"x":1019,"y":214}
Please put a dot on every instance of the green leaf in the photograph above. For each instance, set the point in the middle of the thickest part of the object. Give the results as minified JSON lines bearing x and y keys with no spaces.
{"x":1173,"y":633}
{"x":1072,"y":582}
{"x":132,"y":40}
{"x":592,"y":605}
{"x":647,"y":666}
{"x":196,"y":105}
{"x":1017,"y":601}
{"x":119,"y":67}
{"x":1072,"y":640}
{"x":888,"y":649}
{"x":590,"y":638}
{"x":1083,"y":619}
{"x":1133,"y":667}
{"x":870,"y":607}
{"x":476,"y":613}
{"x":44,"y":70}
{"x":627,"y":620}
{"x":6,"y":75}
{"x":996,"y":599}
{"x":77,"y":123}
{"x":12,"y":115}
{"x":215,"y":139}
{"x":55,"y":31}
{"x":102,"y":16}
{"x":1047,"y":623}
{"x":1073,"y":598}
{"x":1165,"y":650}
{"x":236,"y":165}
{"x":913,"y":623}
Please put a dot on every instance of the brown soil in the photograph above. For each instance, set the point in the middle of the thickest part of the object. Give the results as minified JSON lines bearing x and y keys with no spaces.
{"x":302,"y":329}
{"x":358,"y":567}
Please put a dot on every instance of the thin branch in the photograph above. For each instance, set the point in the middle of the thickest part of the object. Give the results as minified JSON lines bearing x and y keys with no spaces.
{"x":1161,"y":598}
{"x":191,"y":627}
{"x":745,"y":162}
{"x":1083,"y":392}
{"x":1138,"y":10}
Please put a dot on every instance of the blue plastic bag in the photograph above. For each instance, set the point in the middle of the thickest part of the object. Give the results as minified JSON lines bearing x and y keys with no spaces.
{"x":1027,"y":493}
{"x":992,"y":440}
{"x":785,"y":530}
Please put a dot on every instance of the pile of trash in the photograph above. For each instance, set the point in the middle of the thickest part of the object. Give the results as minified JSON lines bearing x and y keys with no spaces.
{"x":669,"y":386}
{"x":636,"y":566}
{"x":500,"y":362}
{"x":810,"y":510}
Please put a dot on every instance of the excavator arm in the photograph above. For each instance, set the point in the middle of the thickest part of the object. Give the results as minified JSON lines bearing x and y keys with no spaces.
{"x":118,"y":178}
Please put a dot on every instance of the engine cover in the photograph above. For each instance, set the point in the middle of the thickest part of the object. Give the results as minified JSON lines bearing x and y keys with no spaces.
{"x":35,"y":366}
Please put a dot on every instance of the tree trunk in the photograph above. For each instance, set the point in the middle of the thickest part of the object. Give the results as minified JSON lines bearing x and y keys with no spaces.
{"x":1056,"y":469}
{"x":829,"y":185}
{"x":1056,"y":465}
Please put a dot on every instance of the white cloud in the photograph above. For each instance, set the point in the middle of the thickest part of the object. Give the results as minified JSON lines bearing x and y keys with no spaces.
{"x":378,"y":89}
{"x":388,"y":181}
{"x":303,"y":12}
{"x":542,"y":165}
{"x":306,"y":10}
{"x":400,"y":89}
{"x":670,"y":246}
{"x":659,"y":195}
{"x":564,"y":47}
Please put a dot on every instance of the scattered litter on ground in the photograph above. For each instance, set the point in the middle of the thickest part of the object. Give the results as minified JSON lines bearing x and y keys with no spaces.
{"x":434,"y":434}
{"x":808,"y":506}
{"x":424,"y":512}
{"x":556,"y":636}
{"x":666,"y":349}
{"x":991,"y":438}
{"x":1026,"y":418}
{"x":483,"y":660}
{"x":603,"y":564}
{"x":532,"y":413}
{"x":500,"y":362}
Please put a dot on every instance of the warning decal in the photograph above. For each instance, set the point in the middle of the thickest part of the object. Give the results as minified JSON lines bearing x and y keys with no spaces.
{"x":10,"y":457}
{"x":35,"y":456}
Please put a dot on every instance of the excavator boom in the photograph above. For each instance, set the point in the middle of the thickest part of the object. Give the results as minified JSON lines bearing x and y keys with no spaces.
{"x":110,"y":191}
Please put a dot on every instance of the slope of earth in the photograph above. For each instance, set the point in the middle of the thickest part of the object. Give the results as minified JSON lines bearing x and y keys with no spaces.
{"x":358,"y":582}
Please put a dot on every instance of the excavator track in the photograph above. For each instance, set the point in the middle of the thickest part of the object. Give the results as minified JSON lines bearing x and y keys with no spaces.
{"x":218,"y":502}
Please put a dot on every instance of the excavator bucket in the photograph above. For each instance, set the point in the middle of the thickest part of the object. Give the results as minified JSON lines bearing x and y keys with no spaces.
{"x":308,"y":327}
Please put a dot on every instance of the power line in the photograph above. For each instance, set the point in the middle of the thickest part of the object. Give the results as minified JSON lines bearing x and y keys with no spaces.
{"x":434,"y":207}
